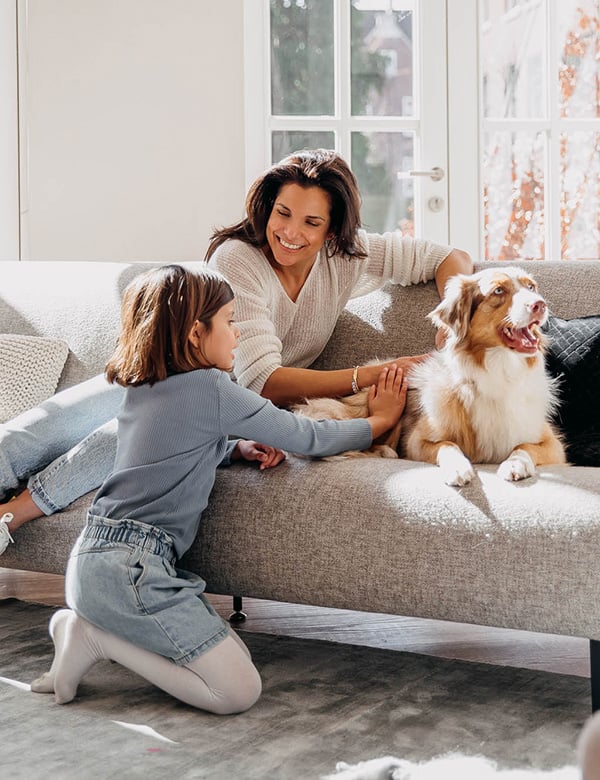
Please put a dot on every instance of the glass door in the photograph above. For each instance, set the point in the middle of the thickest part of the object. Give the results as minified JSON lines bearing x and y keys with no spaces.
{"x":368,"y":78}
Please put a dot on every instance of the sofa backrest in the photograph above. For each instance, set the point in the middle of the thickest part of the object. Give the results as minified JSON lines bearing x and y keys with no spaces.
{"x":80,"y":303}
{"x":393,"y":321}
{"x":77,"y":302}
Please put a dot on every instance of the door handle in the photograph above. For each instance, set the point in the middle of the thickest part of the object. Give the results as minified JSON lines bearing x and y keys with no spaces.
{"x":436,"y":173}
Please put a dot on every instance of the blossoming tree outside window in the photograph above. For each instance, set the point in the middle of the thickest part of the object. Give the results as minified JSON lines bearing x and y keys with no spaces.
{"x":540,"y":106}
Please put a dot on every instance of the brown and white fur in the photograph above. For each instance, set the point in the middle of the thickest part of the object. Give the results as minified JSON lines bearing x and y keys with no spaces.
{"x":486,"y":396}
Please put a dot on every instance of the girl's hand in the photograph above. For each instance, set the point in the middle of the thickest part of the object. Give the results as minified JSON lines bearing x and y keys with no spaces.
{"x":252,"y":450}
{"x":387,"y":399}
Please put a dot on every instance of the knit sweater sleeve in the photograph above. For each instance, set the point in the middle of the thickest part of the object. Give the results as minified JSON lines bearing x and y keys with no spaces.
{"x":259,"y":350}
{"x":397,"y":258}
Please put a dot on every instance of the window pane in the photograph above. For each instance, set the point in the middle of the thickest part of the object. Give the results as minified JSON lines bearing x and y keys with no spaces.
{"x":387,"y":203}
{"x":578,"y":69}
{"x":513,"y":56}
{"x":580,"y":205}
{"x":284,"y":142}
{"x":382,"y":58}
{"x":302,"y":57}
{"x":513,"y":180}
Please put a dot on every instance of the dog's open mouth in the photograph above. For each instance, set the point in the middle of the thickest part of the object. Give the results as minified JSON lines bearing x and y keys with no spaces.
{"x":520,"y":339}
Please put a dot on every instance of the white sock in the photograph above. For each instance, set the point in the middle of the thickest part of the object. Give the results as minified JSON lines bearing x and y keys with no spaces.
{"x":75,"y":652}
{"x":222,"y":680}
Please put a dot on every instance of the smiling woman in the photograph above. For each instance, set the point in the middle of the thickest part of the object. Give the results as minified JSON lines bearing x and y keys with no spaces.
{"x":294,"y":262}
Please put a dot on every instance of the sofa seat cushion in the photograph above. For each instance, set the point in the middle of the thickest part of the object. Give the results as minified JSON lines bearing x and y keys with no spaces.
{"x":389,"y":536}
{"x":30,"y":367}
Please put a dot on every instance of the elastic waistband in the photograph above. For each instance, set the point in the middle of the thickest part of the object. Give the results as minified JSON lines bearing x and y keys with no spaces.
{"x":132,"y":532}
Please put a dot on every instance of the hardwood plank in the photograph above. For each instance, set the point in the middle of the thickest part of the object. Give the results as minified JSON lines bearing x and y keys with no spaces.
{"x":506,"y":647}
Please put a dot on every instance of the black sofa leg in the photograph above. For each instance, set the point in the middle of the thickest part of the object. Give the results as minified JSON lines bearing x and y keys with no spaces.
{"x":237,"y":616}
{"x":595,"y":673}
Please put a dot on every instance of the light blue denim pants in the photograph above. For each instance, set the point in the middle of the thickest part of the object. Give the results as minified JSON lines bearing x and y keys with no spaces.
{"x":65,"y":447}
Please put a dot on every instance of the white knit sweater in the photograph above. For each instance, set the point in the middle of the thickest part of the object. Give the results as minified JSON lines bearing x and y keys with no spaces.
{"x":276,"y":331}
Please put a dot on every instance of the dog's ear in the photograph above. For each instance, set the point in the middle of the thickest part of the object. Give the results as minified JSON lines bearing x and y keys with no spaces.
{"x":461,"y":297}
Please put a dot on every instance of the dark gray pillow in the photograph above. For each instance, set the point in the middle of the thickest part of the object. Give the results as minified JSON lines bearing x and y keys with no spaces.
{"x":573,"y":357}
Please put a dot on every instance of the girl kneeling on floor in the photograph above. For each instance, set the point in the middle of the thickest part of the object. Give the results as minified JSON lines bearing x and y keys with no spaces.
{"x":128,"y":601}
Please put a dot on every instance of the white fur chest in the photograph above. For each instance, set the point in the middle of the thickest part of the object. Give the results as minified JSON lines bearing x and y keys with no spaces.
{"x":507,"y":401}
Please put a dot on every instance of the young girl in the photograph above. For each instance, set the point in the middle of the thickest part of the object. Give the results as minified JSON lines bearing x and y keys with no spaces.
{"x":128,"y":602}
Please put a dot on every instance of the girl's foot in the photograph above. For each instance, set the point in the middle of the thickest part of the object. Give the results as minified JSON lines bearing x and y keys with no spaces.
{"x":5,"y":537}
{"x":75,"y":652}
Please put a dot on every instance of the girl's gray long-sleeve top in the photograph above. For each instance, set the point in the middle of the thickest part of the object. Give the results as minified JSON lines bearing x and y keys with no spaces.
{"x":174,"y":434}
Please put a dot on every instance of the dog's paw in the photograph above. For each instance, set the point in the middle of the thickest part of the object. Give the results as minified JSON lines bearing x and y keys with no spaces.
{"x":459,"y":478}
{"x":518,"y":465}
{"x":457,"y":469}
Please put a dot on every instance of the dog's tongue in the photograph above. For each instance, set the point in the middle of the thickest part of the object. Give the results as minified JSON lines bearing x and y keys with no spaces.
{"x":520,"y":339}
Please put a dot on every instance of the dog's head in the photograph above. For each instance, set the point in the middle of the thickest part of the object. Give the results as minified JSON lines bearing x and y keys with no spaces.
{"x":496,"y":307}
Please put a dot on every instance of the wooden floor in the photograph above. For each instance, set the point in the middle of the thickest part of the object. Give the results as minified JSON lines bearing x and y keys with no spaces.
{"x":565,"y":655}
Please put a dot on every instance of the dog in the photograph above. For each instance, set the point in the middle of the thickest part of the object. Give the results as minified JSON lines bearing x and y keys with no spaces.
{"x":485,"y":396}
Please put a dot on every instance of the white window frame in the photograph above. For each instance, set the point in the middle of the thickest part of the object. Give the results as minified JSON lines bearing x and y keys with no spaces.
{"x":465,"y":213}
{"x":465,"y":122}
{"x":467,"y":127}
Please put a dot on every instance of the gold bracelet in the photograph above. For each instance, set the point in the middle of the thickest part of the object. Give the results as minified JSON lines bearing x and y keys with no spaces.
{"x":355,"y":387}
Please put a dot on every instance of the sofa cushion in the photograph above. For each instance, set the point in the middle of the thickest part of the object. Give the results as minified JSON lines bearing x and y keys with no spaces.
{"x":30,"y":367}
{"x":573,"y":357}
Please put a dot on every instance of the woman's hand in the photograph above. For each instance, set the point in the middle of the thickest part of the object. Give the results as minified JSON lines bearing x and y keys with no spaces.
{"x":252,"y":450}
{"x":387,"y":399}
{"x":369,"y":375}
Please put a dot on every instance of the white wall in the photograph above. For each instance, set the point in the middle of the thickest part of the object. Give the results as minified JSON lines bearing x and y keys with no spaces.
{"x":9,"y":176}
{"x":132,"y":126}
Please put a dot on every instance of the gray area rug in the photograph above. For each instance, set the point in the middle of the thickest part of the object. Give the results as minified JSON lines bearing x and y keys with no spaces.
{"x":322,"y":703}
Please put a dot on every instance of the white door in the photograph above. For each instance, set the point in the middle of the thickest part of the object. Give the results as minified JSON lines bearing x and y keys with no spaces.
{"x":366,"y":77}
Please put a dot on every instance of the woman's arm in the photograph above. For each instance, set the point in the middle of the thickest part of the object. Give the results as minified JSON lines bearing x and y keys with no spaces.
{"x":287,"y":386}
{"x":457,"y":262}
{"x":254,"y":418}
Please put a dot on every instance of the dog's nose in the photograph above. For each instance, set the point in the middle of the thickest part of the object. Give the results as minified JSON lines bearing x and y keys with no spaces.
{"x":537,"y":307}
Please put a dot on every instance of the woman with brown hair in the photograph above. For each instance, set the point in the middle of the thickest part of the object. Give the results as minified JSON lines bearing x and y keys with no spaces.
{"x":294,"y":262}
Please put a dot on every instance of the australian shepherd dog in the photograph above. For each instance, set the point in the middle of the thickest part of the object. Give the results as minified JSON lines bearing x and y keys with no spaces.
{"x":485,"y":397}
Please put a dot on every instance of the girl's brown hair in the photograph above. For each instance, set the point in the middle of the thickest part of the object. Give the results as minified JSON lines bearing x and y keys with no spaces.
{"x":309,"y":168}
{"x":158,"y":311}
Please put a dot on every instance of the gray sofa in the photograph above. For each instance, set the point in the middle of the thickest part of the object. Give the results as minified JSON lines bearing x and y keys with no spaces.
{"x":368,"y":534}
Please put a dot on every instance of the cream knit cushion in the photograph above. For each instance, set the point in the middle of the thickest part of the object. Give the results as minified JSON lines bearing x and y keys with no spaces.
{"x":30,"y":367}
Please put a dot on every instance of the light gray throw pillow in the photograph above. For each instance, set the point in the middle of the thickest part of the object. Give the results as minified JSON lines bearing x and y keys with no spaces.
{"x":30,"y":367}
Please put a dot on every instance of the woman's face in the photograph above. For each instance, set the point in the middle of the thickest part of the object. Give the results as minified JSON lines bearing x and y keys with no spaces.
{"x":298,"y":225}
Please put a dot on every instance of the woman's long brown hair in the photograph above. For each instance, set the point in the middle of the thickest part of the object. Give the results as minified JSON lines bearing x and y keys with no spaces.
{"x":309,"y":168}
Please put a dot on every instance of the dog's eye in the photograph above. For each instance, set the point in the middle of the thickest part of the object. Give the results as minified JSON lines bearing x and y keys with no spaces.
{"x":499,"y":291}
{"x":531,"y":286}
